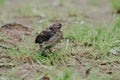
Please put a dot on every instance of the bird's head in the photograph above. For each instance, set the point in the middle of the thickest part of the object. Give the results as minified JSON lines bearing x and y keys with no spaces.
{"x":55,"y":27}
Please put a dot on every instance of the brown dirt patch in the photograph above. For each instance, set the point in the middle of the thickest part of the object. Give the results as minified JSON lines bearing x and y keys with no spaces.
{"x":14,"y":33}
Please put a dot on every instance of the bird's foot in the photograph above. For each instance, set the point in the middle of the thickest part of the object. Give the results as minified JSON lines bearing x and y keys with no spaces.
{"x":52,"y":51}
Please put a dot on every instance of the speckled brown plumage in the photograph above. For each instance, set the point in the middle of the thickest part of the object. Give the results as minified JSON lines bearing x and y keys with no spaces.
{"x":50,"y":36}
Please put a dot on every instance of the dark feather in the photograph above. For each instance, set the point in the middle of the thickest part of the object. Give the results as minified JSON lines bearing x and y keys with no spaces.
{"x":44,"y":36}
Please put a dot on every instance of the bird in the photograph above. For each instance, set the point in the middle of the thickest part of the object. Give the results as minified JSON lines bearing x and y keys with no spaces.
{"x":49,"y":37}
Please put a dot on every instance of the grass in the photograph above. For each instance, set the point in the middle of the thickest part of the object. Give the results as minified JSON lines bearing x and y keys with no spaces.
{"x":91,"y":40}
{"x":101,"y":37}
{"x":115,"y":4}
{"x":95,"y":2}
{"x":2,"y":2}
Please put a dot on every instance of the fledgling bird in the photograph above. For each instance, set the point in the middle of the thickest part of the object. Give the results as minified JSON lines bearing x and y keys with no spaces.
{"x":49,"y":37}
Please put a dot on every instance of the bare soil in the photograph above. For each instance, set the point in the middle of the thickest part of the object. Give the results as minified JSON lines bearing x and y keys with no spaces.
{"x":14,"y":32}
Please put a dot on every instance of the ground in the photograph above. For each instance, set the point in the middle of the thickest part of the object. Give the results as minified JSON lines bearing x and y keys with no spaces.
{"x":90,"y":49}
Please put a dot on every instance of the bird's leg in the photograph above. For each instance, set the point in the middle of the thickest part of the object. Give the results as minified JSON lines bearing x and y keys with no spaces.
{"x":40,"y":47}
{"x":50,"y":50}
{"x":42,"y":50}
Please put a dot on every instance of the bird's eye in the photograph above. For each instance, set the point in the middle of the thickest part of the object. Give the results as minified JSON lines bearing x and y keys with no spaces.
{"x":59,"y":25}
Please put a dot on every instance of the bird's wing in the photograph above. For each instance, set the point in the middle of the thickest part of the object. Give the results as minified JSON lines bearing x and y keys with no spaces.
{"x":55,"y":39}
{"x":45,"y":35}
